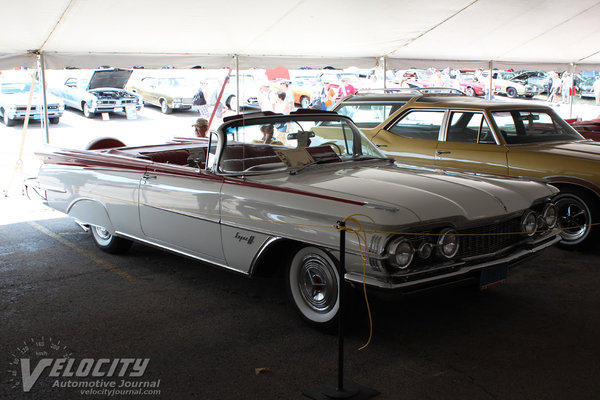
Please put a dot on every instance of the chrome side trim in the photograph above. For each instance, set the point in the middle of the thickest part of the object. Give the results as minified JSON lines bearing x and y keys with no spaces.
{"x":184,"y":213}
{"x":177,"y":251}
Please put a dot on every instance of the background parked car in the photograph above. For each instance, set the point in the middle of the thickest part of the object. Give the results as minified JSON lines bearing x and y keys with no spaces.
{"x":506,"y":138}
{"x":14,"y":98}
{"x":504,"y":85}
{"x":539,"y":79}
{"x":102,"y":92}
{"x":168,"y":93}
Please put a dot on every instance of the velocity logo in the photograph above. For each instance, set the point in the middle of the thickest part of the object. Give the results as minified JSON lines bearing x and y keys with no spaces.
{"x":51,"y":361}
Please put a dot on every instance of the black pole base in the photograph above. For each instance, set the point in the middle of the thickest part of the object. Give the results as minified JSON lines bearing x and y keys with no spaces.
{"x":331,"y":390}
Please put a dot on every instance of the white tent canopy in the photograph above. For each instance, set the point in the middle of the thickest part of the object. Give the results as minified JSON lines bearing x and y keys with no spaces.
{"x":265,"y":33}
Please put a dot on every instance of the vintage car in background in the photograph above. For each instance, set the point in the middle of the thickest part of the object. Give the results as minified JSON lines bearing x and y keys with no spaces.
{"x":589,"y":129}
{"x":503,"y":84}
{"x":103,"y":92}
{"x":465,"y":81}
{"x":245,"y":203}
{"x":167,"y":92}
{"x":500,"y":137}
{"x":471,"y":86}
{"x":539,"y":79}
{"x":584,"y":86}
{"x":14,"y":98}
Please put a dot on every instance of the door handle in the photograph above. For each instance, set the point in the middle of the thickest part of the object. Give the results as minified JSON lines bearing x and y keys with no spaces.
{"x":440,"y":152}
{"x":381,"y":145}
{"x":147,"y":176}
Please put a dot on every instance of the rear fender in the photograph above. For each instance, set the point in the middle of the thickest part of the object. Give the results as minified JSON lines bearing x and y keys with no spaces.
{"x":91,"y":212}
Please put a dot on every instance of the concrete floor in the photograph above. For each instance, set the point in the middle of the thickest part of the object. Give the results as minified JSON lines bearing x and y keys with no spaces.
{"x":206,"y":331}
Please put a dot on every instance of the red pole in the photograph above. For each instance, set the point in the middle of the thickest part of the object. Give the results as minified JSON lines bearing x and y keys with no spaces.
{"x":212,"y":116}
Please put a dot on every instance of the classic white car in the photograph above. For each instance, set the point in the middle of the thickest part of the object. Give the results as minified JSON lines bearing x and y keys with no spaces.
{"x":103,"y":92}
{"x":503,"y":84}
{"x":240,"y":200}
{"x":14,"y":97}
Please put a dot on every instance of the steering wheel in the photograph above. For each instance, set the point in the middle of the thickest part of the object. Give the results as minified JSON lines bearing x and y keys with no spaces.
{"x":335,"y":147}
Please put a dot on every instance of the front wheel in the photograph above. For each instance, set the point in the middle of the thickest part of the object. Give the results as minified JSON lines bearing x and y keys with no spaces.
{"x":164,"y":107}
{"x":470,"y":91}
{"x":8,"y":121}
{"x":108,"y":242}
{"x":511,"y":92}
{"x":576,"y":213}
{"x":232,"y":103}
{"x":313,"y":286}
{"x":86,"y":111}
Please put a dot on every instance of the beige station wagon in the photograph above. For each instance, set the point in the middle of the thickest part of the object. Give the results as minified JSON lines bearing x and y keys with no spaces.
{"x":453,"y":131}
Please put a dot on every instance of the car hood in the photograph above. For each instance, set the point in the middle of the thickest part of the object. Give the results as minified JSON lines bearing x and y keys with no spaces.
{"x":109,"y":78}
{"x":427,"y":194}
{"x":23,"y":99}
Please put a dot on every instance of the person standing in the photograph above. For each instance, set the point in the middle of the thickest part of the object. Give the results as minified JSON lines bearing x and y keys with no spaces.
{"x":289,"y":94}
{"x":346,"y":88}
{"x":201,"y":128}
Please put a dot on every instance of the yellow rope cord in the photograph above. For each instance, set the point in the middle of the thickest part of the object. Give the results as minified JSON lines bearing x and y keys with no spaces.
{"x":361,"y":235}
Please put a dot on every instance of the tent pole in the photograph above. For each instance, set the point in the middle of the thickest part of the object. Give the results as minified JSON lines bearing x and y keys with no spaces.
{"x":384,"y":72}
{"x":491,"y":90}
{"x":236,"y":57}
{"x":42,"y":76}
{"x":572,"y":90}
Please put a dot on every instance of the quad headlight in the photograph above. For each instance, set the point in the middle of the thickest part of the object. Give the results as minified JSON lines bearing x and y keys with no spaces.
{"x":529,"y":223}
{"x":447,"y":243}
{"x":400,"y":253}
{"x":550,"y":215}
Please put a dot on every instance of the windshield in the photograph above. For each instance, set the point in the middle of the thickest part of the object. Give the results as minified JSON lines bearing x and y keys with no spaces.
{"x":367,"y":115}
{"x":266,"y":144}
{"x":521,"y":126}
{"x":18,"y":87}
{"x":175,"y":82}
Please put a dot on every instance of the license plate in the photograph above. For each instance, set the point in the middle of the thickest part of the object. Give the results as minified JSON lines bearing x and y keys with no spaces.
{"x":493,"y":276}
{"x":117,"y":109}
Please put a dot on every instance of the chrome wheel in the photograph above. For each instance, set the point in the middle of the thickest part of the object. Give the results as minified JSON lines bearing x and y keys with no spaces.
{"x":108,"y":242}
{"x":86,"y":111}
{"x":574,"y":218}
{"x":164,"y":107}
{"x":313,"y":283}
{"x":101,"y":236}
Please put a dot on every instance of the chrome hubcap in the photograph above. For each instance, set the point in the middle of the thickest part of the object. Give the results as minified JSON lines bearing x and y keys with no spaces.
{"x":102,"y":233}
{"x":574,"y":219}
{"x":318,"y":285}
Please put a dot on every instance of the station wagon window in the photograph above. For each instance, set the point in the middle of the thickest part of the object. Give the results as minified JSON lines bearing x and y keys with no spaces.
{"x":366,"y":115}
{"x":521,"y":126}
{"x":419,"y":125}
{"x":469,"y":127}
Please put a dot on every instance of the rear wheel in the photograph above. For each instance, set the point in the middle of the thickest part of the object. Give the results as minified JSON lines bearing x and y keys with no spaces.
{"x":469,"y":91}
{"x":576,"y":213}
{"x":313,"y":286}
{"x":108,"y":242}
{"x":304,"y":102}
{"x":232,"y":103}
{"x":54,"y":120}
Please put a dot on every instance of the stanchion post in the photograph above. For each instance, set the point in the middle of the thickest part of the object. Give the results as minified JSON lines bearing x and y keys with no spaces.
{"x":341,"y":389}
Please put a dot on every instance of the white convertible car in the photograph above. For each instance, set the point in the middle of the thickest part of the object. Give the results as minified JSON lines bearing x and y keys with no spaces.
{"x":240,"y":200}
